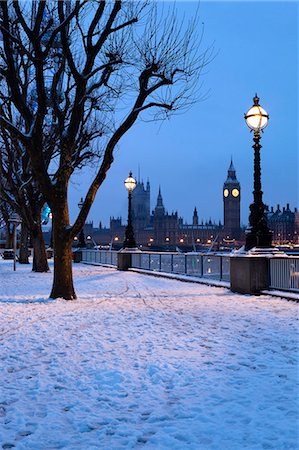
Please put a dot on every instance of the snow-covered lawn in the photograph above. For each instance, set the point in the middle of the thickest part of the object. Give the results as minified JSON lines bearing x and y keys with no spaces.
{"x":145,"y":363}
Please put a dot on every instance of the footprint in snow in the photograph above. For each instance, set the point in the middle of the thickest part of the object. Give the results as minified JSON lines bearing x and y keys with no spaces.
{"x":23,"y":434}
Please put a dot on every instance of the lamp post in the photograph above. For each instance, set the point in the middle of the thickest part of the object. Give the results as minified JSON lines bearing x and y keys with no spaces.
{"x":15,"y":220}
{"x":129,"y":242}
{"x":258,"y":233}
{"x":51,"y":235}
{"x":81,"y":243}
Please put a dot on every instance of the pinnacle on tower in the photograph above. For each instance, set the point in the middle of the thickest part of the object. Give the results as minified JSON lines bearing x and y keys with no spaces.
{"x":231,"y":167}
{"x":159,"y":199}
{"x":231,"y":173}
{"x":159,"y":207}
{"x":195,"y":217}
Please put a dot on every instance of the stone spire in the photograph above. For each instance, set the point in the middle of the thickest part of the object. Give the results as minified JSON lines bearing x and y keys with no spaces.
{"x":231,"y":173}
{"x":159,"y":206}
{"x":195,"y":217}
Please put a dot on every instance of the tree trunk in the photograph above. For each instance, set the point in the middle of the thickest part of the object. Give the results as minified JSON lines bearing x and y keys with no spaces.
{"x":40,"y":261}
{"x":63,"y":286}
{"x":63,"y":275}
{"x":24,"y":253}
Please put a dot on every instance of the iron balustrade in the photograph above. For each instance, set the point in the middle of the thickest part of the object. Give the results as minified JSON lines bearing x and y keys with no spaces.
{"x":105,"y":257}
{"x":284,"y":273}
{"x":283,"y":270}
{"x":212,"y":266}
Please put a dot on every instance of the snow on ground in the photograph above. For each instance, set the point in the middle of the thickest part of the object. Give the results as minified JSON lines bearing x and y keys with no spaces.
{"x":140,"y":362}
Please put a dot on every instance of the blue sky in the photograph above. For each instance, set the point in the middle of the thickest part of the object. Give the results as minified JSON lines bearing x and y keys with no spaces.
{"x":257,"y":51}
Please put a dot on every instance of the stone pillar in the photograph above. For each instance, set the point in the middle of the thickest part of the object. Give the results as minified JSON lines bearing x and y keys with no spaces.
{"x":77,"y":256}
{"x":249,"y":274}
{"x":124,"y":260}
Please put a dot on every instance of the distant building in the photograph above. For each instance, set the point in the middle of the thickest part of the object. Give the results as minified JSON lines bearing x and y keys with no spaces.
{"x":231,"y":203}
{"x":162,"y":230}
{"x":141,"y":209}
{"x":284,"y":224}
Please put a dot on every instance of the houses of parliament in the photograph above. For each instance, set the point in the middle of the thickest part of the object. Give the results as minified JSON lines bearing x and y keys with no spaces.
{"x":160,"y":230}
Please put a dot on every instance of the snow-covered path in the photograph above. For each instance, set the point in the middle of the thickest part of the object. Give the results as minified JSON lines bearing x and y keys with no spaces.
{"x":146,"y":363}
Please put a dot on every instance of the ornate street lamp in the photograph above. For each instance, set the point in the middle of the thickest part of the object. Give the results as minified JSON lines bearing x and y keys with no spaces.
{"x":258,"y":233}
{"x":81,"y":243}
{"x":129,"y":242}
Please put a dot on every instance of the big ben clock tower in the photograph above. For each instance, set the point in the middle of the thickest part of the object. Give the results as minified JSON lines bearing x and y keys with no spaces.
{"x":231,"y":201}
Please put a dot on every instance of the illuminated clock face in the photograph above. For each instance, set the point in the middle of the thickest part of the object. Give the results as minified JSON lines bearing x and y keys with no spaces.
{"x":225,"y":192}
{"x":235,"y":192}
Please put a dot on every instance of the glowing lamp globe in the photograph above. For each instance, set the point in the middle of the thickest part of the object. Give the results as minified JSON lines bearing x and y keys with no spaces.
{"x":256,"y":118}
{"x":130,"y":183}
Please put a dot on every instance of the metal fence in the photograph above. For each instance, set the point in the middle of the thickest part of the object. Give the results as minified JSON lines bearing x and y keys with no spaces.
{"x":216,"y":267}
{"x":284,"y":273}
{"x":283,"y":270}
{"x":100,"y":257}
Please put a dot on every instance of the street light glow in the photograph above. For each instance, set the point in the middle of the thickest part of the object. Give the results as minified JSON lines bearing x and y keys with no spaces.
{"x":256,"y":118}
{"x":130,"y":183}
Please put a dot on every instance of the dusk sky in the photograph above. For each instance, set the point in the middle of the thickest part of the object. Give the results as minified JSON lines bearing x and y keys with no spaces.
{"x":256,"y":50}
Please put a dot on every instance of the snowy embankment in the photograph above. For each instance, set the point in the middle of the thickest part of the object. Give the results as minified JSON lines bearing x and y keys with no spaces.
{"x":141,"y":362}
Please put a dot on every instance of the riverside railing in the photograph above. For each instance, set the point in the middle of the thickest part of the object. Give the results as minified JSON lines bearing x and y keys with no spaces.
{"x":283,"y":270}
{"x":284,"y":273}
{"x":212,"y":266}
{"x":106,"y":257}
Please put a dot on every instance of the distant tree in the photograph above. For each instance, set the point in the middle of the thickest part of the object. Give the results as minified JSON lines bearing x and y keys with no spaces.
{"x":108,"y":71}
{"x":5,"y":213}
{"x":19,"y":190}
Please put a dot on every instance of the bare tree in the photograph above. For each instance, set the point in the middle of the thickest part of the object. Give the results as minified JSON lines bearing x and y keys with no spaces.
{"x":114,"y":62}
{"x":20,"y":191}
{"x":5,"y":212}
